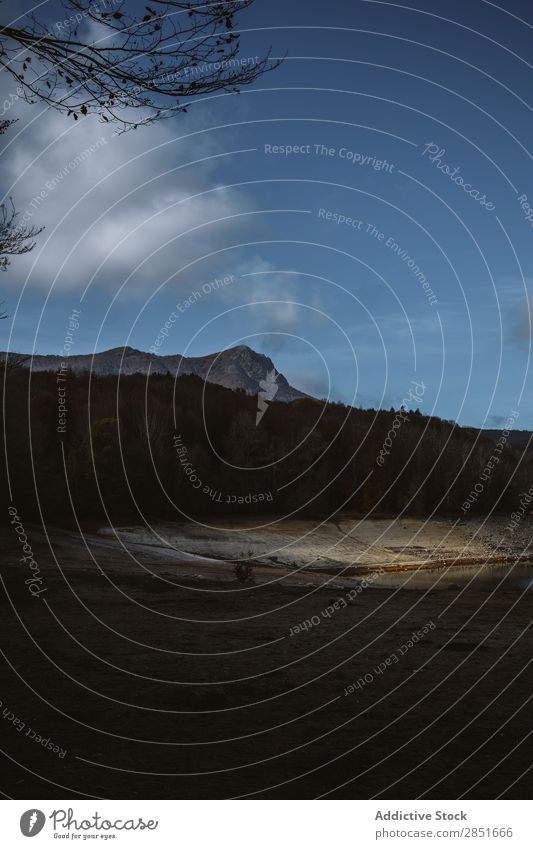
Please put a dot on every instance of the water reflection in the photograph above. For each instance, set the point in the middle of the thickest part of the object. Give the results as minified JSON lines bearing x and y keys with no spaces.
{"x":506,"y":576}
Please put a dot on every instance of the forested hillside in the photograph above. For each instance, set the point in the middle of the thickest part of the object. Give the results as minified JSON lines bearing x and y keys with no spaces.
{"x":130,"y":447}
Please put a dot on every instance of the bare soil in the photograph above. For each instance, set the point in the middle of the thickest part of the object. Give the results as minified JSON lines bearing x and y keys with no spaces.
{"x":163,"y":677}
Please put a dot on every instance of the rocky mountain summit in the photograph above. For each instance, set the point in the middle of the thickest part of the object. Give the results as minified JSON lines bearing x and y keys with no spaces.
{"x":235,"y":368}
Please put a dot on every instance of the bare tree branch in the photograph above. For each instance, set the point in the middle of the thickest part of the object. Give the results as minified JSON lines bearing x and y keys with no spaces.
{"x":137,"y":68}
{"x":15,"y":239}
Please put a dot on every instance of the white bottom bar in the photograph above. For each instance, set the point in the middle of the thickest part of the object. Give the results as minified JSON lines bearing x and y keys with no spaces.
{"x":265,"y":824}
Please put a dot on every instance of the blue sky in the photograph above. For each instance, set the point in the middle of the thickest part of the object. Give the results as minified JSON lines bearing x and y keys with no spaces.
{"x":152,"y":217}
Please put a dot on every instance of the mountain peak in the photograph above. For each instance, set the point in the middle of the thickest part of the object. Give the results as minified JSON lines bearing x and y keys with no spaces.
{"x":239,"y":367}
{"x":123,"y":349}
{"x":243,"y":348}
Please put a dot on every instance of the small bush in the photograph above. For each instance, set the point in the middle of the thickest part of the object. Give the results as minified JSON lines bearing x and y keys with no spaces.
{"x":244,"y":572}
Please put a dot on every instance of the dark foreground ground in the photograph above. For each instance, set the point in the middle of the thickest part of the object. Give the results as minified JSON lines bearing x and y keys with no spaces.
{"x":188,"y":687}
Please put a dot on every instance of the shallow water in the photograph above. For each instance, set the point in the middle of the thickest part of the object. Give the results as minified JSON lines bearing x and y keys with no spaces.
{"x":504,"y":576}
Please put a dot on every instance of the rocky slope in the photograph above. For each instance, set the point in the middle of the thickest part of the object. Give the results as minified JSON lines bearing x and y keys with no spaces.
{"x":236,"y":368}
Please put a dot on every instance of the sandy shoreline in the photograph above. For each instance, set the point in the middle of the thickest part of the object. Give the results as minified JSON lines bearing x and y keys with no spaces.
{"x":353,"y":547}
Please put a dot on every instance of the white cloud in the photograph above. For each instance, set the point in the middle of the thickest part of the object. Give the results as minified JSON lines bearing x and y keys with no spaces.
{"x":96,"y":209}
{"x":282,"y":305}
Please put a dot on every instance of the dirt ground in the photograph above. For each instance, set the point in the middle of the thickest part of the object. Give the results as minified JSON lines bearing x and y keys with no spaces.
{"x":162,"y":677}
{"x":343,"y":543}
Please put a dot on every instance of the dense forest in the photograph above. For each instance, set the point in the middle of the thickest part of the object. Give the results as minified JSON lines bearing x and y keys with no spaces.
{"x":131,"y":446}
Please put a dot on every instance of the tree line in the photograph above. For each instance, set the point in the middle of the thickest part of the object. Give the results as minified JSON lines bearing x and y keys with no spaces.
{"x":131,"y":448}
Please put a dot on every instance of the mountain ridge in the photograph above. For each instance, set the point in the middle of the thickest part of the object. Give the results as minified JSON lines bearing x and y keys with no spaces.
{"x":239,"y":367}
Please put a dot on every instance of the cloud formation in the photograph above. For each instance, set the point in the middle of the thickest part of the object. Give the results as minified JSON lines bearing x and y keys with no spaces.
{"x":115,"y":206}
